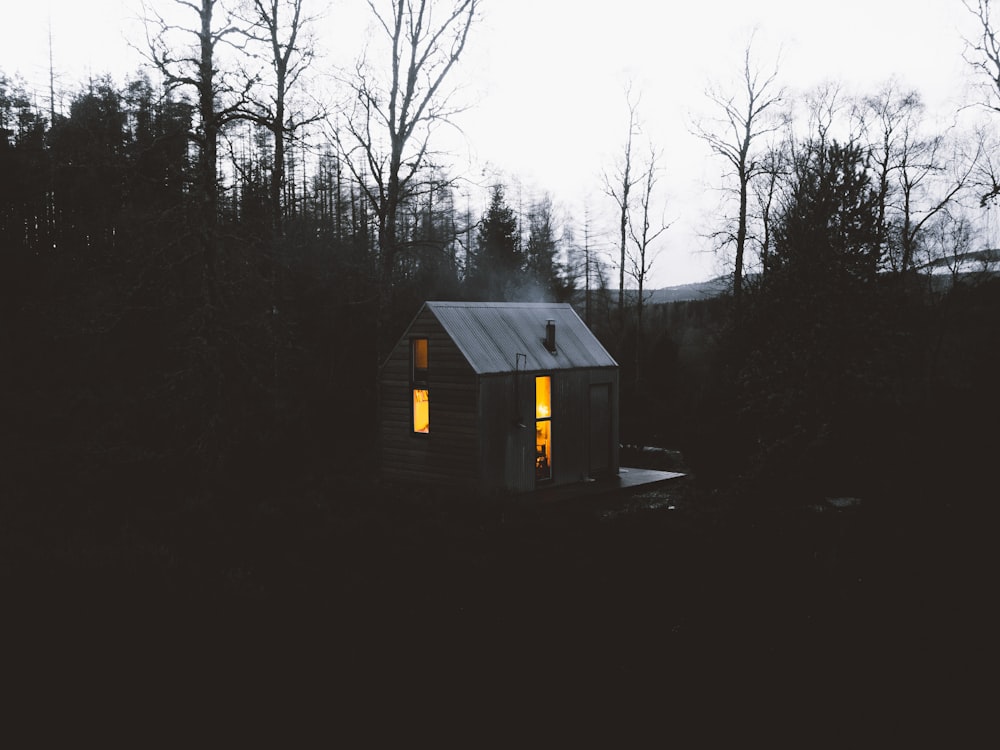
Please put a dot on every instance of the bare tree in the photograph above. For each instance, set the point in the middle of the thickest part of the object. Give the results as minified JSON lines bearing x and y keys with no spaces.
{"x":766,"y":190}
{"x":618,"y":186}
{"x":385,"y":132}
{"x":915,"y":176}
{"x":187,"y":58}
{"x":986,"y":179}
{"x":929,"y":182}
{"x":744,"y":119}
{"x":588,"y":264}
{"x":643,"y":234}
{"x":983,"y":53}
{"x":281,"y":28}
{"x":881,"y":117}
{"x":190,"y":57}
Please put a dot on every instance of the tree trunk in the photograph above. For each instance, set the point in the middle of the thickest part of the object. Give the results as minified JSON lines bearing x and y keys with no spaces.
{"x":741,"y":238}
{"x":207,"y":156}
{"x":278,"y":168}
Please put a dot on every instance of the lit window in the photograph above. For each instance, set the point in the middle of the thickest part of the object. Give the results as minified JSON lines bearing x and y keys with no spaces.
{"x":543,"y":449}
{"x":421,"y":411}
{"x":543,"y":397}
{"x":418,"y":355}
{"x":543,"y":427}
{"x":418,"y":384}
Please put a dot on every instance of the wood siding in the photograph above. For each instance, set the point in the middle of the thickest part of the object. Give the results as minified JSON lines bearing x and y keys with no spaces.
{"x":474,"y":439}
{"x":449,"y":453}
{"x":509,"y":450}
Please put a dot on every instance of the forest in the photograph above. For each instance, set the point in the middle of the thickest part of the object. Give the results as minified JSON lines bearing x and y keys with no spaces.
{"x":202,"y":274}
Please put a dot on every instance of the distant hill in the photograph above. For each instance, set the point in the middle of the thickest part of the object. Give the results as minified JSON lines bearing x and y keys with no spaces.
{"x":964,"y":263}
{"x":688,"y":292}
{"x":967,"y":266}
{"x":700,"y":290}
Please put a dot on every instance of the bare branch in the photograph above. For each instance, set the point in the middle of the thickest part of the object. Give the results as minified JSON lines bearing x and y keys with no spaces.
{"x":388,"y":125}
{"x":735,"y":134}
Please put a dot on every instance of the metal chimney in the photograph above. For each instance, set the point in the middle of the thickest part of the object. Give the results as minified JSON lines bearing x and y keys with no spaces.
{"x":550,"y":335}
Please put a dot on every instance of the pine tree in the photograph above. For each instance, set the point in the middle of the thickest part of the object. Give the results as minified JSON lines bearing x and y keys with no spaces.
{"x":498,"y":260}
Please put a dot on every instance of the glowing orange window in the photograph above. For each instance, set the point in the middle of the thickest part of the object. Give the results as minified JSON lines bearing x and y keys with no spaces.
{"x":421,"y":411}
{"x":543,"y":427}
{"x":543,"y":397}
{"x":418,"y":385}
{"x":418,"y":356}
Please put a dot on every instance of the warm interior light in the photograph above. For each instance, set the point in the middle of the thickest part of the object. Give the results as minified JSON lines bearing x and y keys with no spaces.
{"x":543,"y":449}
{"x":421,"y":410}
{"x":419,"y":354}
{"x":543,"y":427}
{"x":543,"y":397}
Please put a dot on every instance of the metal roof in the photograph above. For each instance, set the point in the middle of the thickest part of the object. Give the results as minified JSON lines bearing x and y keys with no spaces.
{"x":492,"y":334}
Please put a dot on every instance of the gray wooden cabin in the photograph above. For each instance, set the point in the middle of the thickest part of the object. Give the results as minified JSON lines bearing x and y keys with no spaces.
{"x":498,"y":398}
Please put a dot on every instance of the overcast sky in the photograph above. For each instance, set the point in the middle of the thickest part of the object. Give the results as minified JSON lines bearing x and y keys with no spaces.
{"x":547,"y":79}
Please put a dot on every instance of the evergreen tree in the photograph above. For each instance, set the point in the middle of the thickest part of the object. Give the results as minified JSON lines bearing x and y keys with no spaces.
{"x":498,"y":258}
{"x":829,"y":225}
{"x":89,"y":148}
{"x":543,"y":277}
{"x":812,"y":348}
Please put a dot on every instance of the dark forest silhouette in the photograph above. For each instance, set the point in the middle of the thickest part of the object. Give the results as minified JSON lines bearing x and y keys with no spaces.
{"x":143,"y":341}
{"x":191,"y":335}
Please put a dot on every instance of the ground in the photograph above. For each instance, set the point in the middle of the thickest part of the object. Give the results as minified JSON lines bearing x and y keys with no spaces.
{"x":665,"y":597}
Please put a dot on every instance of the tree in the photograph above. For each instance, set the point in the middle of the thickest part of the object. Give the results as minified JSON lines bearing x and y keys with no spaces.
{"x":385,"y":132}
{"x":744,"y":119}
{"x":618,"y":186}
{"x":541,"y":262}
{"x":89,"y":148}
{"x":766,"y":188}
{"x":201,"y":58}
{"x":982,"y":53}
{"x":643,"y":234}
{"x":188,"y":58}
{"x":280,"y":27}
{"x":498,"y":261}
{"x":881,"y":117}
{"x":828,"y":228}
{"x":589,"y":267}
{"x":26,"y":213}
{"x":159,"y":128}
{"x":911,"y":181}
{"x":808,"y":353}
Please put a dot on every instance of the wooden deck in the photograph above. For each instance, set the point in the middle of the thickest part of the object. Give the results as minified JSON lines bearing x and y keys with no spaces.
{"x":628,"y":480}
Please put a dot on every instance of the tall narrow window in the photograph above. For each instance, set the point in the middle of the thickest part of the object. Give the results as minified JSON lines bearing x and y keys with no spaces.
{"x":418,"y":386}
{"x":543,"y":427}
{"x":418,"y":358}
{"x":421,"y":411}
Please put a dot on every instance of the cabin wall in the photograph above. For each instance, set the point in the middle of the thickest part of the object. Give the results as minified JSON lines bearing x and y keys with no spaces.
{"x":508,"y":451}
{"x":610,"y":376}
{"x":571,"y":422}
{"x":449,"y":453}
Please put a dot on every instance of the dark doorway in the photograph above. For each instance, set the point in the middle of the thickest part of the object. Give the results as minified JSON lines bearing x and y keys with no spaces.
{"x":600,"y":429}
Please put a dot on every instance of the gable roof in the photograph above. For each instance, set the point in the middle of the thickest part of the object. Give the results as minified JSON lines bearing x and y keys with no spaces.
{"x":491,"y":334}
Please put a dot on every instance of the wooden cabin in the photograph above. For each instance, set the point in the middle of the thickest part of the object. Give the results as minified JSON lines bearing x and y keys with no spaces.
{"x":498,"y":398}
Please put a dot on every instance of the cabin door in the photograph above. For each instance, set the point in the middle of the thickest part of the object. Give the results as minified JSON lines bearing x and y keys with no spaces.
{"x":600,"y":429}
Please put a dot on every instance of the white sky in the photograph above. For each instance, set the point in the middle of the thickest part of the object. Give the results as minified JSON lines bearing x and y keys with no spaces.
{"x":548,"y":76}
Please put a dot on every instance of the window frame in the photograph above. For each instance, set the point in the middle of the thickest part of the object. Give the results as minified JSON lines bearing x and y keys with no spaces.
{"x":413,"y":411}
{"x":419,"y":382}
{"x":548,"y":418}
{"x":419,"y":374}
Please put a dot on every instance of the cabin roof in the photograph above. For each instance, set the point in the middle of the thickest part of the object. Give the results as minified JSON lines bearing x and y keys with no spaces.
{"x":491,"y":334}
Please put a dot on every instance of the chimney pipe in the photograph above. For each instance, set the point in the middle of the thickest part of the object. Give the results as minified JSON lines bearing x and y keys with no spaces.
{"x":550,"y":335}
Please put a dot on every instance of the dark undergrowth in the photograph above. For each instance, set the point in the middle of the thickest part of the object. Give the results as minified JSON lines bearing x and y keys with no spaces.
{"x":387,"y":595}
